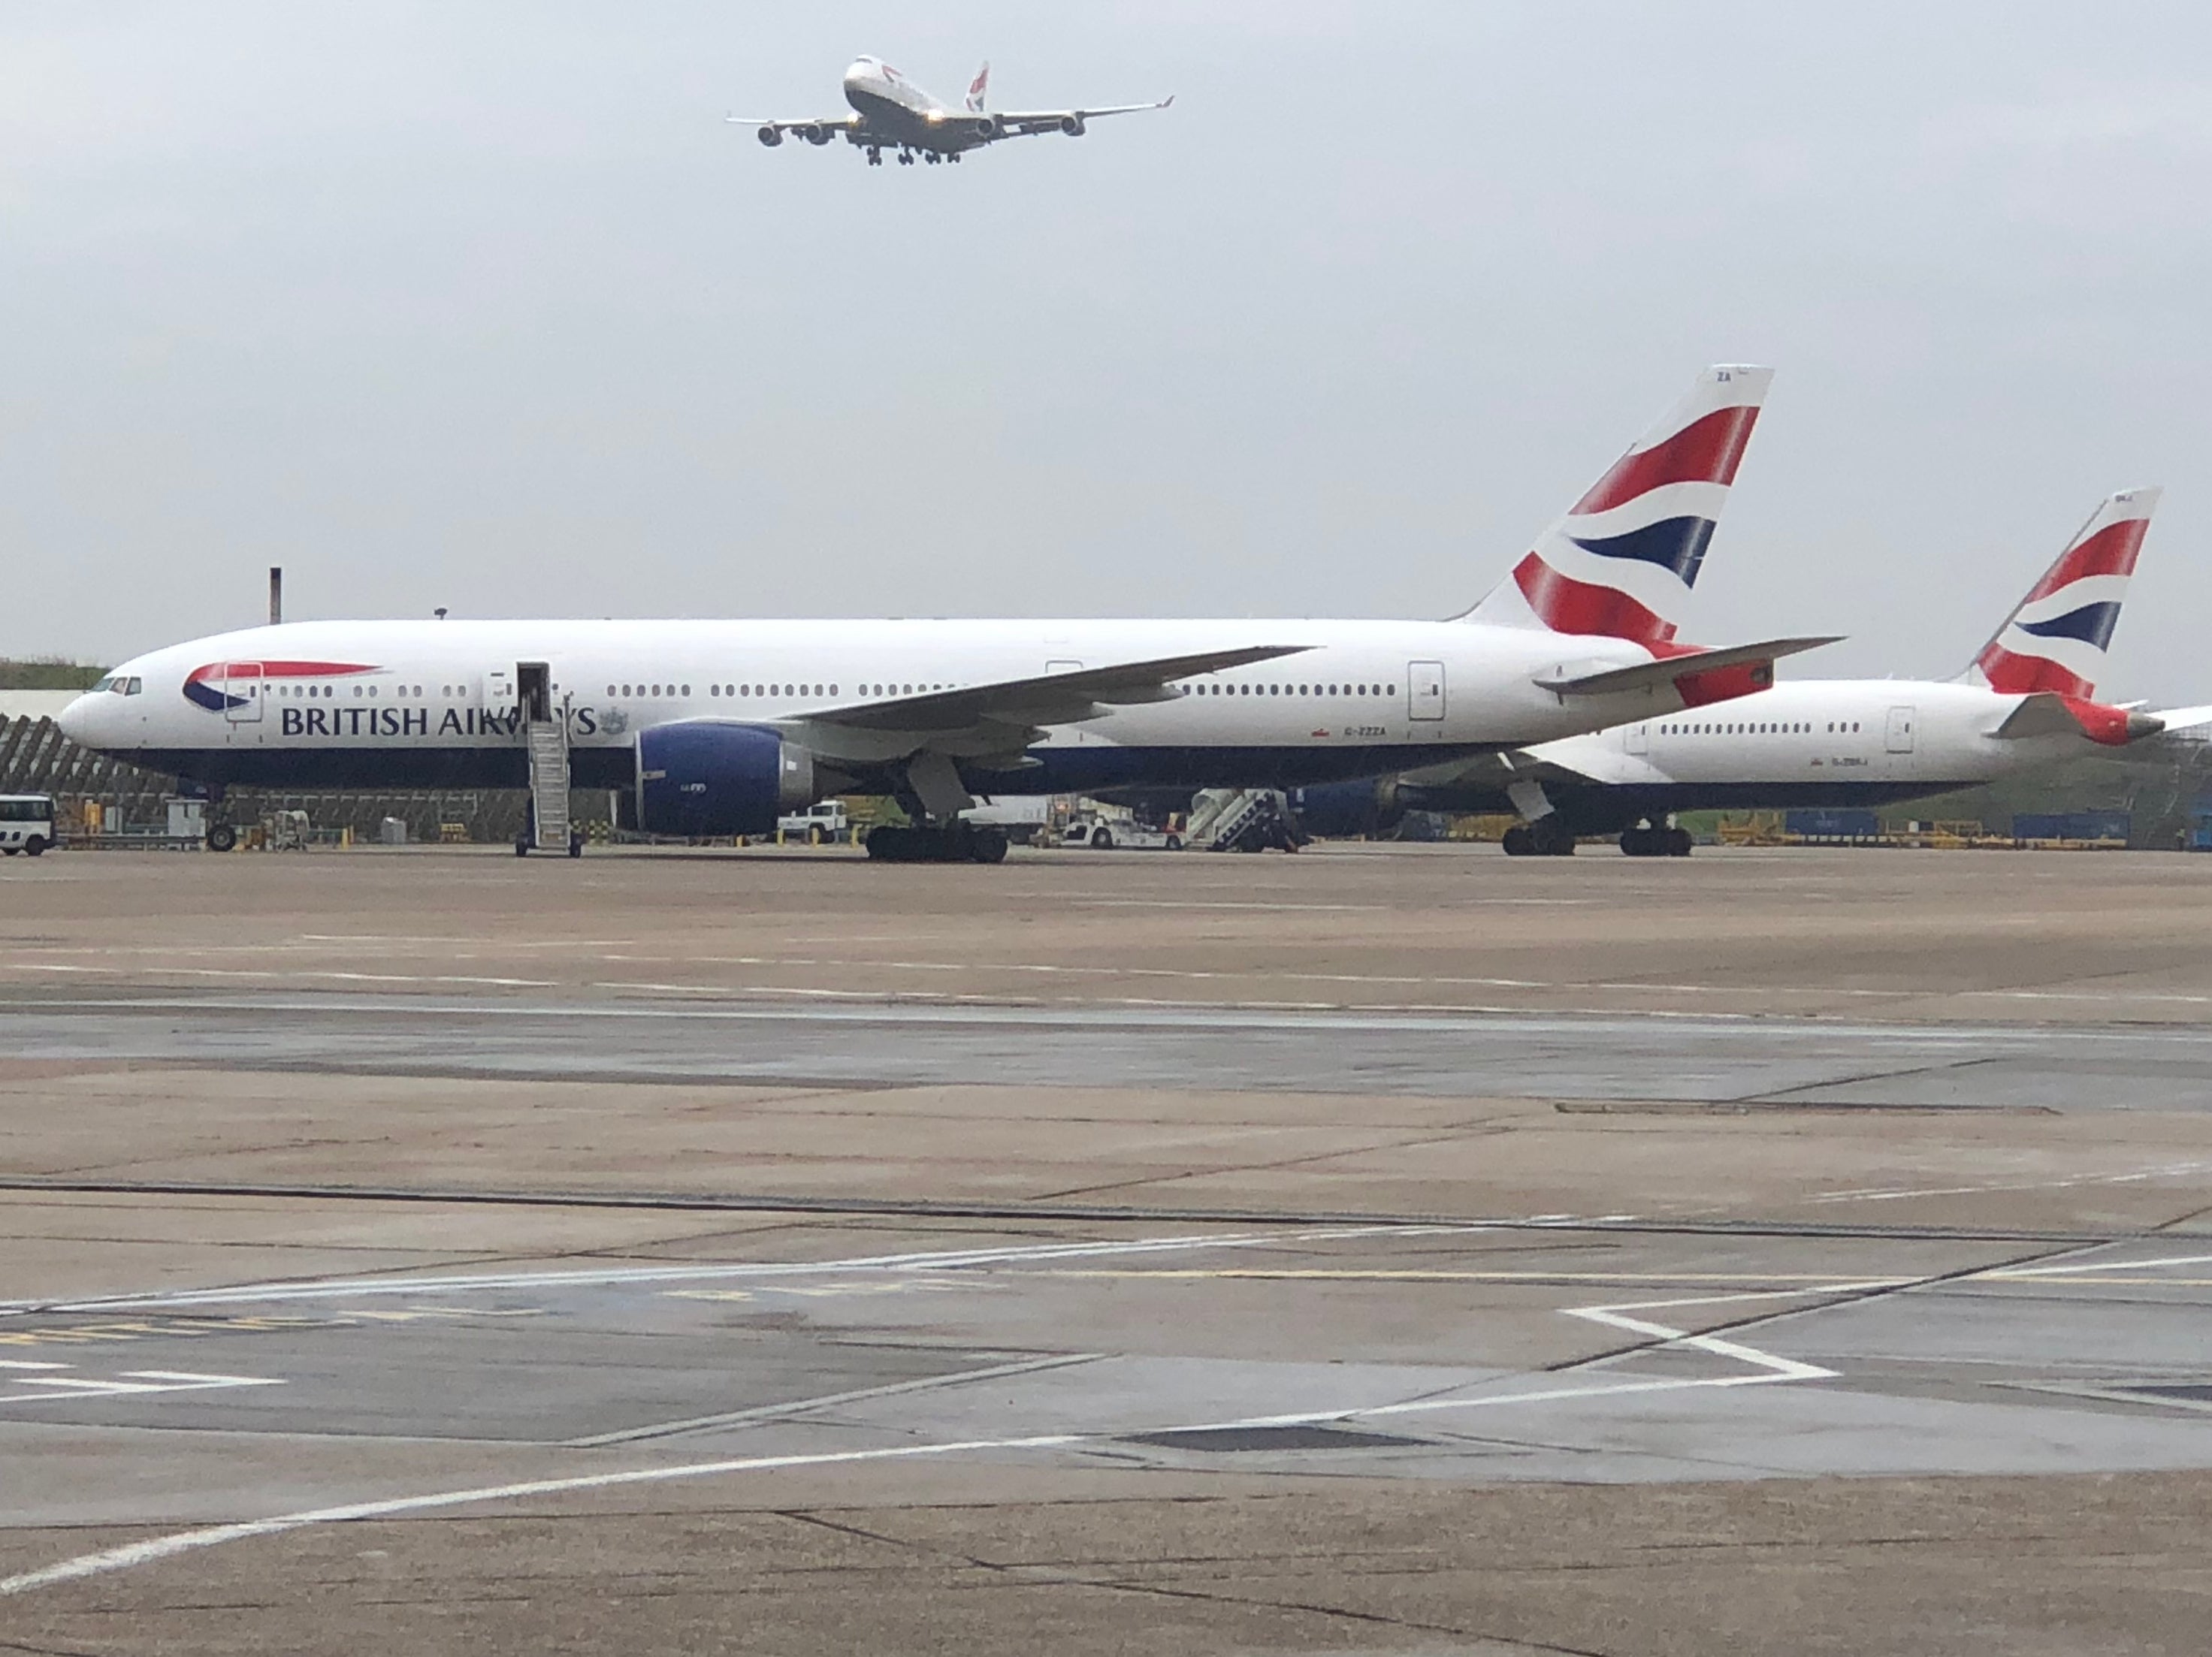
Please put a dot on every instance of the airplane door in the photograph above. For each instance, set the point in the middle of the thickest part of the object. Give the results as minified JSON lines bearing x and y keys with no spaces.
{"x":1900,"y":731}
{"x":243,"y":687}
{"x":1425,"y":691}
{"x":1639,"y":739}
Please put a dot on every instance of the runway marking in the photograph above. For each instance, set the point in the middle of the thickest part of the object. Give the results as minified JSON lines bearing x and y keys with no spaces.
{"x":2107,"y":1265}
{"x":858,"y":1394}
{"x":130,"y":1383}
{"x":611,"y":1276}
{"x":1767,"y":1369}
{"x":292,"y":974}
{"x":1820,"y":1280}
{"x":198,"y":1328}
{"x":1878,"y":1194}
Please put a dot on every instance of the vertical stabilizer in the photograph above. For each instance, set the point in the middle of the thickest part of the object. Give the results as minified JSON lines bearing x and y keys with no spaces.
{"x":2056,"y":639}
{"x":979,"y":88}
{"x":1621,"y":562}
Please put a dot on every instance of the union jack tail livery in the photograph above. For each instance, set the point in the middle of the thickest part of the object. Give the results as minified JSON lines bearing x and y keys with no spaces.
{"x":2056,"y":639}
{"x":1621,"y":562}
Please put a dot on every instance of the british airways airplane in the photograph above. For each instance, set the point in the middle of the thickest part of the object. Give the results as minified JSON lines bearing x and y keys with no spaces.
{"x":892,"y":112}
{"x":2028,"y":699}
{"x":716,"y":727}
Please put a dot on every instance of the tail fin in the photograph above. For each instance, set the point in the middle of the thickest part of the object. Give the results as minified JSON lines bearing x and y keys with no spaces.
{"x":1621,"y":562}
{"x":978,"y":87}
{"x":2057,"y":638}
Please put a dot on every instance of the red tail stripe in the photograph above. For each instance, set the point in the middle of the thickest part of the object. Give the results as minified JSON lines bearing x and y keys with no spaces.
{"x":1706,"y":451}
{"x":2017,"y":675}
{"x":2111,"y":551}
{"x":1566,"y":605}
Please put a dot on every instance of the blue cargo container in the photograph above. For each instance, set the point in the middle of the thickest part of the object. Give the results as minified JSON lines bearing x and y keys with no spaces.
{"x":2072,"y":825}
{"x":1832,"y":822}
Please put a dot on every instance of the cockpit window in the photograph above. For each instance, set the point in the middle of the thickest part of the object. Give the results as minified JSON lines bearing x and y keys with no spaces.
{"x":134,"y":687}
{"x":106,"y":683}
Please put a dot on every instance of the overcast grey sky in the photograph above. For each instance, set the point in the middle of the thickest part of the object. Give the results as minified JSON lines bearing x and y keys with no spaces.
{"x":483,"y":305}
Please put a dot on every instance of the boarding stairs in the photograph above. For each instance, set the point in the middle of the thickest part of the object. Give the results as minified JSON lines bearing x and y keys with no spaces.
{"x":1237,"y":819}
{"x":547,"y":741}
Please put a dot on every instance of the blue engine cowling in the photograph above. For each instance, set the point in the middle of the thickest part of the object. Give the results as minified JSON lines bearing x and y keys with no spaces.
{"x":700,"y":777}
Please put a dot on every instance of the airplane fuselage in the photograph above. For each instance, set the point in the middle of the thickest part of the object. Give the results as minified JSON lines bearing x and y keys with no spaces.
{"x":433,"y":704}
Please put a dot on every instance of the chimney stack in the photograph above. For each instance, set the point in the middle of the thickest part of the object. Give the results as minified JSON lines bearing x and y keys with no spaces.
{"x":276,"y":594}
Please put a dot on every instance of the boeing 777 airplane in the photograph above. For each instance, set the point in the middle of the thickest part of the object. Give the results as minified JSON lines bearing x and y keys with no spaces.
{"x":716,"y":727}
{"x":2028,"y":699}
{"x":890,"y":112}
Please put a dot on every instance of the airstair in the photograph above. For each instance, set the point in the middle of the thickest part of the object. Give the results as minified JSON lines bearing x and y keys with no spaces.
{"x":548,"y":744}
{"x":1242,"y":820}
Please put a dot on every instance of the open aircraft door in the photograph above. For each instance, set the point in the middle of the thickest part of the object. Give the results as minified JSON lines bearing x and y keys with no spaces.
{"x":1425,"y":691}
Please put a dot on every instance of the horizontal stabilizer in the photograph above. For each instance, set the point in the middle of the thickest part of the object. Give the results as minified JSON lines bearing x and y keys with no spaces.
{"x":2047,"y":714}
{"x":1651,"y":676}
{"x":2176,"y":720}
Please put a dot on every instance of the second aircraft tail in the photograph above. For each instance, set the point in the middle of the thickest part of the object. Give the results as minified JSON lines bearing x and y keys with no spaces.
{"x":2056,"y":638}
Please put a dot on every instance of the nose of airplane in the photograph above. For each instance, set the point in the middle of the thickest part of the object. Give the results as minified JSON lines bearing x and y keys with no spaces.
{"x":75,"y":720}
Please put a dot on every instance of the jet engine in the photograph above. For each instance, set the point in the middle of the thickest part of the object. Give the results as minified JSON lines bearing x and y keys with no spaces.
{"x":700,"y":777}
{"x":1072,"y":126}
{"x":771,"y":136}
{"x":814,"y":135}
{"x":989,"y":126}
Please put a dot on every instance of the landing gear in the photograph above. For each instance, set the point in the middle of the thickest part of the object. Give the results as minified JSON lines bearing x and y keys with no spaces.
{"x":958,"y":843}
{"x":906,"y":158}
{"x":1654,"y":841}
{"x":875,"y":156}
{"x":954,"y":158}
{"x":1547,"y":837}
{"x":931,"y":157}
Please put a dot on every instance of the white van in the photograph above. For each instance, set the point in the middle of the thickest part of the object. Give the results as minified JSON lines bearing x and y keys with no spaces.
{"x":26,"y":824}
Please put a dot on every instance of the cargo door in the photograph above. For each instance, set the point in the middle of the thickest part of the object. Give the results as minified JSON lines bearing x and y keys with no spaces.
{"x":1639,"y":739}
{"x":1900,"y":731}
{"x":1425,"y":691}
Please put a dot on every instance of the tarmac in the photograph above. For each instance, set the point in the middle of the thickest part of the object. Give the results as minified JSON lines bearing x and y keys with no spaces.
{"x":1380,"y":1249}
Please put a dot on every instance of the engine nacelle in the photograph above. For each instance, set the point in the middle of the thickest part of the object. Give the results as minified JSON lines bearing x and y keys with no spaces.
{"x":814,"y":135}
{"x":771,"y":136}
{"x":700,"y":777}
{"x":988,"y":127}
{"x":1072,"y":126}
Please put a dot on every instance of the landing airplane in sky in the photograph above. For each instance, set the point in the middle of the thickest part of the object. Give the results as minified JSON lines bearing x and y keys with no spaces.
{"x":890,"y":112}
{"x":706,"y":728}
{"x":2028,"y":698}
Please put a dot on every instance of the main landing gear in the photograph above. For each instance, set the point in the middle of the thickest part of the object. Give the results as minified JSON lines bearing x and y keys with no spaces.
{"x":957,"y":842}
{"x":1654,"y":841}
{"x":875,"y":156}
{"x":1547,"y":837}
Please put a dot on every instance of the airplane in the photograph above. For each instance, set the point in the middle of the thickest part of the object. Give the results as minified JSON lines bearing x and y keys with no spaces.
{"x":892,"y":112}
{"x":2028,"y":699}
{"x":705,"y":728}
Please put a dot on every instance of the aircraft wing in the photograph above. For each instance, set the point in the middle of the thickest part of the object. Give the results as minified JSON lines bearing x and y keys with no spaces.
{"x":805,"y":128}
{"x":2178,"y":719}
{"x":1021,"y":123}
{"x":996,"y":718}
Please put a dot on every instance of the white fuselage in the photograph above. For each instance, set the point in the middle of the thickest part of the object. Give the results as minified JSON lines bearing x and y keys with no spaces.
{"x":362,"y":704}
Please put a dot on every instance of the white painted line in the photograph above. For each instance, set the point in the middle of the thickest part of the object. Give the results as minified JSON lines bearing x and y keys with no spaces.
{"x":25,"y":1364}
{"x":1770,"y":1369}
{"x":2010,"y":1271}
{"x":610,"y":1277}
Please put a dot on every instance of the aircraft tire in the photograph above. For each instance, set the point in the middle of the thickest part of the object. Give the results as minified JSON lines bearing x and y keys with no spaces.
{"x":988,"y":845}
{"x":1518,"y":842}
{"x":1678,"y":843}
{"x":221,"y":837}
